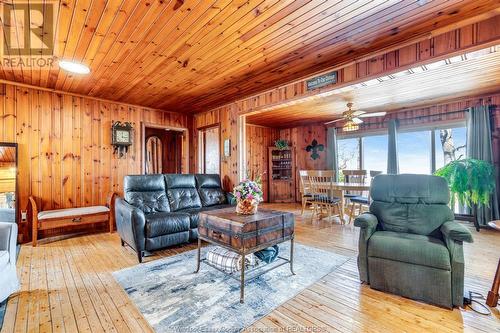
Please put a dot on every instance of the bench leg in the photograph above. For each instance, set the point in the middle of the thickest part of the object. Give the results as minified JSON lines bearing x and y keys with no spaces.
{"x":34,"y":232}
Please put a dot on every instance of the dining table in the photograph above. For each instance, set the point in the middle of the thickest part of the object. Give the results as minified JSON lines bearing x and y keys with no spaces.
{"x":340,"y":188}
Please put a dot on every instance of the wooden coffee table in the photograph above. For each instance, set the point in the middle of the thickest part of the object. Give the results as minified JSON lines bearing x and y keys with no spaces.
{"x":246,"y":234}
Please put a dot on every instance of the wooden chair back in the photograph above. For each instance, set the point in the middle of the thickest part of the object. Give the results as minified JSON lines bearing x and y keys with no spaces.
{"x":355,"y":176}
{"x":305,"y":187}
{"x":321,"y":184}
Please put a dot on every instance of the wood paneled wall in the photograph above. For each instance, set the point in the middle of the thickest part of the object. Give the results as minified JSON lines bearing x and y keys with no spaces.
{"x":258,"y":139}
{"x":300,"y":137}
{"x":439,"y":44}
{"x":64,"y":141}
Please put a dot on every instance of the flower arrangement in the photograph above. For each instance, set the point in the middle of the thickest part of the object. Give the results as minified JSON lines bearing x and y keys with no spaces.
{"x":249,"y":194}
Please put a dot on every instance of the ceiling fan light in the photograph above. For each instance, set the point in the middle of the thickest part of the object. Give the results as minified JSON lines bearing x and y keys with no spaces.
{"x":350,"y":126}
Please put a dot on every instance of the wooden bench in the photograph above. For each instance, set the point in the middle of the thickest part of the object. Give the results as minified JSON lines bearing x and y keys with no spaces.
{"x":52,"y":219}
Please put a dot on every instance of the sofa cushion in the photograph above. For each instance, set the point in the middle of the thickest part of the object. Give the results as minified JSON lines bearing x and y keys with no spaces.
{"x":146,"y":192}
{"x":4,"y":258}
{"x":194,"y":213}
{"x":181,"y":192}
{"x":210,"y":190}
{"x":78,"y":211}
{"x":164,"y":223}
{"x":409,"y":248}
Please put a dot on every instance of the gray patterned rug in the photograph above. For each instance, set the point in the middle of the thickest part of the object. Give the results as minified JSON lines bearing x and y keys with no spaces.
{"x":174,"y":299}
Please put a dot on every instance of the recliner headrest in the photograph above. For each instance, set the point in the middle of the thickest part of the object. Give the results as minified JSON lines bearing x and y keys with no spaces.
{"x":208,"y":181}
{"x":410,"y":188}
{"x":180,"y":181}
{"x":143,"y":183}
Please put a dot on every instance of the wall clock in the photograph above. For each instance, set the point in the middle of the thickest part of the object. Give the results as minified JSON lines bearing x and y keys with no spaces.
{"x":121,"y":137}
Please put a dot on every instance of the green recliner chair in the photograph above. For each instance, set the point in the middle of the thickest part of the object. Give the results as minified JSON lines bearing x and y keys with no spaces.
{"x":409,"y":244}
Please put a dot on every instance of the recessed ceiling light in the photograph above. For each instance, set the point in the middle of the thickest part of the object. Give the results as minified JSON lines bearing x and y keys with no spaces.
{"x":74,"y":67}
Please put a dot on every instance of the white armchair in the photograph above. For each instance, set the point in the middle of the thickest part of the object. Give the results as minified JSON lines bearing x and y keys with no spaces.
{"x":8,"y":275}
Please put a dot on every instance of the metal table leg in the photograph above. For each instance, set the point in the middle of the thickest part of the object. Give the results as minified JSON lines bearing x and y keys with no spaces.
{"x":291,"y":256}
{"x":242,"y":281}
{"x":198,"y":259}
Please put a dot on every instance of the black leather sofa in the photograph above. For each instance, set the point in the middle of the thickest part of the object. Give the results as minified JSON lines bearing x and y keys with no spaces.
{"x":162,"y":210}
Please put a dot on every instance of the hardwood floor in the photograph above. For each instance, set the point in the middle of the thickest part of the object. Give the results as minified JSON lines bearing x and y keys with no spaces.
{"x":67,"y":286}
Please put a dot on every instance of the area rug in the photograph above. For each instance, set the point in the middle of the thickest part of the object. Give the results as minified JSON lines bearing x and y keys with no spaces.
{"x":173,"y":298}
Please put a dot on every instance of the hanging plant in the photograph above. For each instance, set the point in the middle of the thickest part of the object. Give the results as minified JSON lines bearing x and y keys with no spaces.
{"x":281,"y":144}
{"x":471,"y":181}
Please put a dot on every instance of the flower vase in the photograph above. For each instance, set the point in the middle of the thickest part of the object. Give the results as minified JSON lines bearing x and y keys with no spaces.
{"x":247,"y":207}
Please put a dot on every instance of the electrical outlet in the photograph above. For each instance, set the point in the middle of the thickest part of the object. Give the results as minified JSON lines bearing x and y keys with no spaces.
{"x":24,"y":215}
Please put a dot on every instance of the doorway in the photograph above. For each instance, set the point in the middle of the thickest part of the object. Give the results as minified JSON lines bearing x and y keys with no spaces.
{"x":163,"y":150}
{"x":209,"y":150}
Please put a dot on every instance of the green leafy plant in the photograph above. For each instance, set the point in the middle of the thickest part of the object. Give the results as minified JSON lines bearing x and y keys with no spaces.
{"x":471,"y":181}
{"x":281,"y":144}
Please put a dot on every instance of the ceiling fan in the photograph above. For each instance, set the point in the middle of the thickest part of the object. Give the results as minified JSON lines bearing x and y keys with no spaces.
{"x":352,"y":118}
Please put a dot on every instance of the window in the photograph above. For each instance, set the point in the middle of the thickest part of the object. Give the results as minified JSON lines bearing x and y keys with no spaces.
{"x":375,"y":153}
{"x":414,"y":152}
{"x":348,"y":156}
{"x":450,"y":145}
{"x":419,"y":151}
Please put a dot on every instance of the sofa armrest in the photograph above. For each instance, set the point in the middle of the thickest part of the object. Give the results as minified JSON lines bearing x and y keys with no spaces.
{"x":231,"y":199}
{"x":368,"y":223}
{"x":8,"y":239}
{"x":456,"y":232}
{"x":130,"y":223}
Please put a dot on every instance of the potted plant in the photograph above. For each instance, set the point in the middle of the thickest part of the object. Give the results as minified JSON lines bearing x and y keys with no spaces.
{"x":281,"y":144}
{"x":248,"y":194}
{"x":471,"y":181}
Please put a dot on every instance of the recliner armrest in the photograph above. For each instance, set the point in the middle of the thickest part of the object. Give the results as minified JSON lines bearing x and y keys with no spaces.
{"x":367,"y":222}
{"x":8,"y":239}
{"x":456,"y":231}
{"x":130,"y":223}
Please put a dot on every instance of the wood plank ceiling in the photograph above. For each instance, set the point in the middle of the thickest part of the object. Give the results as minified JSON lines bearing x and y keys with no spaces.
{"x":192,"y":55}
{"x":425,"y":86}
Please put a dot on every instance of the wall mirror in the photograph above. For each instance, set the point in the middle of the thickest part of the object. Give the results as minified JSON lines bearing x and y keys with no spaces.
{"x":154,"y":155}
{"x":8,"y":182}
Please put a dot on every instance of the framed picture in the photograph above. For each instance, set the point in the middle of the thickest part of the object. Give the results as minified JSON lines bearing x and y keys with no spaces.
{"x":227,"y":147}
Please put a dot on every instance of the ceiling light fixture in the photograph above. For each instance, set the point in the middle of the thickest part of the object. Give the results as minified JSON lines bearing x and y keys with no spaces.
{"x":350,"y":126}
{"x":74,"y":67}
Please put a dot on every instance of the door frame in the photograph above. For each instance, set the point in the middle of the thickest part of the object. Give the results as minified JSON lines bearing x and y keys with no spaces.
{"x":200,"y":160}
{"x":18,"y":212}
{"x":184,"y":150}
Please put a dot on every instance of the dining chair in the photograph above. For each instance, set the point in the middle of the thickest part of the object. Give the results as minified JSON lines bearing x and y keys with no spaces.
{"x":354,"y":176}
{"x":363,"y":201}
{"x":305,"y":189}
{"x":322,"y":193}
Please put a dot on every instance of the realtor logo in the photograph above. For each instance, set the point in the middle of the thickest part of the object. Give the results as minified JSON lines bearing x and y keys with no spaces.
{"x":29,"y":29}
